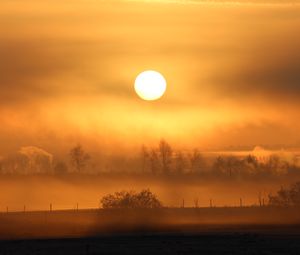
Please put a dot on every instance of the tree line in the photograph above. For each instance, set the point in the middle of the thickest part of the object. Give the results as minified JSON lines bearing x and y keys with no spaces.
{"x":162,"y":159}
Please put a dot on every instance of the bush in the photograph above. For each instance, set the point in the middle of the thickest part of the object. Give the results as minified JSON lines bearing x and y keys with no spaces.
{"x":131,"y":199}
{"x":286,"y":197}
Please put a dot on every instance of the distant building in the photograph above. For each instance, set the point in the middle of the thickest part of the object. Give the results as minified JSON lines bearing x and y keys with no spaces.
{"x":27,"y":160}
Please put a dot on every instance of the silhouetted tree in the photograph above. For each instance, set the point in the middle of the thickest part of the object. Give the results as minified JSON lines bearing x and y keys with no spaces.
{"x":250,"y":159}
{"x":276,"y":165}
{"x":197,"y":162}
{"x":272,"y":164}
{"x":154,"y":161}
{"x":79,"y":158}
{"x":219,"y":165}
{"x":147,"y":199}
{"x":232,"y":164}
{"x":131,"y":199}
{"x":295,"y":194}
{"x":286,"y":197}
{"x":282,"y":198}
{"x":165,"y":153}
{"x":250,"y":165}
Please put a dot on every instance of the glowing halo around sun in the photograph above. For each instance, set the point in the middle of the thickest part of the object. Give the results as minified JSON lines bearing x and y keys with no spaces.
{"x":150,"y":85}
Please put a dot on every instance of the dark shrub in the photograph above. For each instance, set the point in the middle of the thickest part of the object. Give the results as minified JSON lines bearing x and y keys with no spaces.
{"x":286,"y":197}
{"x":131,"y":199}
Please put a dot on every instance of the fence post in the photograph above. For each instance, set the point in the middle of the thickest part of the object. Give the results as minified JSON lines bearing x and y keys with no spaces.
{"x":259,"y":199}
{"x":196,"y":203}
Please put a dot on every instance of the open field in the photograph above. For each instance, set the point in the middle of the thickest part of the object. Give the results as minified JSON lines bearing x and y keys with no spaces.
{"x":165,"y":231}
{"x":220,"y":229}
{"x":86,"y":223}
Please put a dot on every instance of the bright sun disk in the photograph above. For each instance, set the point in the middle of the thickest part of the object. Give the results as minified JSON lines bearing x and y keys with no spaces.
{"x":150,"y":85}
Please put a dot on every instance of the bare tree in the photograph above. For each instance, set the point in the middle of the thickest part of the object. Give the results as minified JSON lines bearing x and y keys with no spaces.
{"x":286,"y":197}
{"x":282,"y":198}
{"x":79,"y":157}
{"x":273,"y":164}
{"x":231,"y":162}
{"x":154,"y":161}
{"x":219,"y":165}
{"x":295,"y":194}
{"x":197,"y":162}
{"x":165,"y":153}
{"x":250,"y":165}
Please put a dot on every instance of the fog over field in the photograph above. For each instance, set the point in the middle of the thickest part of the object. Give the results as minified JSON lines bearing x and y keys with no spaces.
{"x":149,"y":127}
{"x":37,"y":192}
{"x":34,"y":178}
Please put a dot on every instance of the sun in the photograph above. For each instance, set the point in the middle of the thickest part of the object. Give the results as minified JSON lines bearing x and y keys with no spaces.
{"x":150,"y":85}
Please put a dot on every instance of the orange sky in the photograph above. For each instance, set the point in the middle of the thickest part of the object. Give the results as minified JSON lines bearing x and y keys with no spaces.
{"x":67,"y":70}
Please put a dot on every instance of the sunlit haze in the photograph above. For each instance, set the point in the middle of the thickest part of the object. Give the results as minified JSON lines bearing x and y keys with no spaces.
{"x":67,"y":72}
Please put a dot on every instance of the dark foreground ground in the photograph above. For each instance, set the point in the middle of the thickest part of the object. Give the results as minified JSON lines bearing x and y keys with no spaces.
{"x":222,"y":242}
{"x":167,"y":231}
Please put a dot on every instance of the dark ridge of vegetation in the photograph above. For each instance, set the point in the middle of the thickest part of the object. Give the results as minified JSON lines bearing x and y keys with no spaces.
{"x":286,"y":197}
{"x":161,"y":160}
{"x":131,"y":199}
